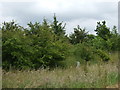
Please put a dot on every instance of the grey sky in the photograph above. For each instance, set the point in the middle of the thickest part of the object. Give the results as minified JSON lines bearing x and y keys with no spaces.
{"x":72,"y":12}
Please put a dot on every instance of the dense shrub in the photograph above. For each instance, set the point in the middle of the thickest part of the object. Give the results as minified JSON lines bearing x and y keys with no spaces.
{"x":32,"y":48}
{"x":46,"y":45}
{"x":83,"y":53}
{"x":104,"y":56}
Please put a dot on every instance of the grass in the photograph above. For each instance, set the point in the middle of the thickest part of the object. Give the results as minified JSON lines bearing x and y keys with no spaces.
{"x":0,"y":78}
{"x":97,"y":76}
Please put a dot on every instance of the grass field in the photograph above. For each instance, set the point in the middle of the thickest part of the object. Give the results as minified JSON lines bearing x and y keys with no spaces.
{"x":93,"y":76}
{"x":0,"y":77}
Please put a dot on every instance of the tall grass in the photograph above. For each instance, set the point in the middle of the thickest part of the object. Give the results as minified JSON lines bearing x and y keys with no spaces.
{"x":0,"y":77}
{"x":97,"y":76}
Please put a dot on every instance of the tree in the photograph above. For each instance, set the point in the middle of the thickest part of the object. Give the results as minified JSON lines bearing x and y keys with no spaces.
{"x":119,"y":43}
{"x":83,"y":52}
{"x":90,"y":38}
{"x":78,"y":36}
{"x":33,"y":28}
{"x":31,"y":47}
{"x":113,"y":41}
{"x":15,"y":47}
{"x":57,"y":27}
{"x":114,"y":31}
{"x":47,"y":52}
{"x":11,"y":26}
{"x":102,"y":30}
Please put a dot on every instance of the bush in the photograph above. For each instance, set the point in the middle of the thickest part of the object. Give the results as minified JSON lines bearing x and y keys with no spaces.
{"x":16,"y":51}
{"x":83,"y":53}
{"x":104,"y":56}
{"x":46,"y":45}
{"x":32,"y":48}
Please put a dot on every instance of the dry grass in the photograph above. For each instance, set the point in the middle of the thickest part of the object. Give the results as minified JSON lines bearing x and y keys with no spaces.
{"x":113,"y":86}
{"x":0,"y":78}
{"x":94,"y":76}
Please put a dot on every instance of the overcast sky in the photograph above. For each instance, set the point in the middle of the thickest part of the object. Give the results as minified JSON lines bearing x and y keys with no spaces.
{"x":85,"y":13}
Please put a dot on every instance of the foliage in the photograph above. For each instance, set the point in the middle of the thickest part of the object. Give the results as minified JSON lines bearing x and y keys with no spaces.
{"x":57,"y":27}
{"x":118,"y":43}
{"x":113,"y":42}
{"x":15,"y":48}
{"x":78,"y":36}
{"x":104,"y":56}
{"x":83,"y":53}
{"x":31,"y":48}
{"x":46,"y":45}
{"x":99,"y":43}
{"x":102,"y":30}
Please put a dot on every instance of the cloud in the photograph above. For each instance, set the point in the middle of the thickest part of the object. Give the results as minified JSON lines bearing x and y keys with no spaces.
{"x":72,"y":12}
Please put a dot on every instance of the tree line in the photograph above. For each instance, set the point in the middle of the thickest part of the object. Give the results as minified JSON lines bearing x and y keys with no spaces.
{"x":47,"y":45}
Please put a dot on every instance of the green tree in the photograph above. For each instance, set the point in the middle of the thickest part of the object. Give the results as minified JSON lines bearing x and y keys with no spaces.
{"x":113,"y":41}
{"x":57,"y":27}
{"x":119,"y":43}
{"x":98,"y":43}
{"x":114,"y":31}
{"x":83,"y":52}
{"x":78,"y":36}
{"x":102,"y":30}
{"x":90,"y":38}
{"x":31,"y":47}
{"x":15,"y":47}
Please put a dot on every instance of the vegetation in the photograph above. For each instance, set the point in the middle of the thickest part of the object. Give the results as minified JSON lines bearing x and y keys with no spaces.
{"x":46,"y":45}
{"x":31,"y":51}
{"x":98,"y":76}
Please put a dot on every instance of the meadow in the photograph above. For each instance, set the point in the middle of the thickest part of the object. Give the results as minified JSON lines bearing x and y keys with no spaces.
{"x":101,"y":75}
